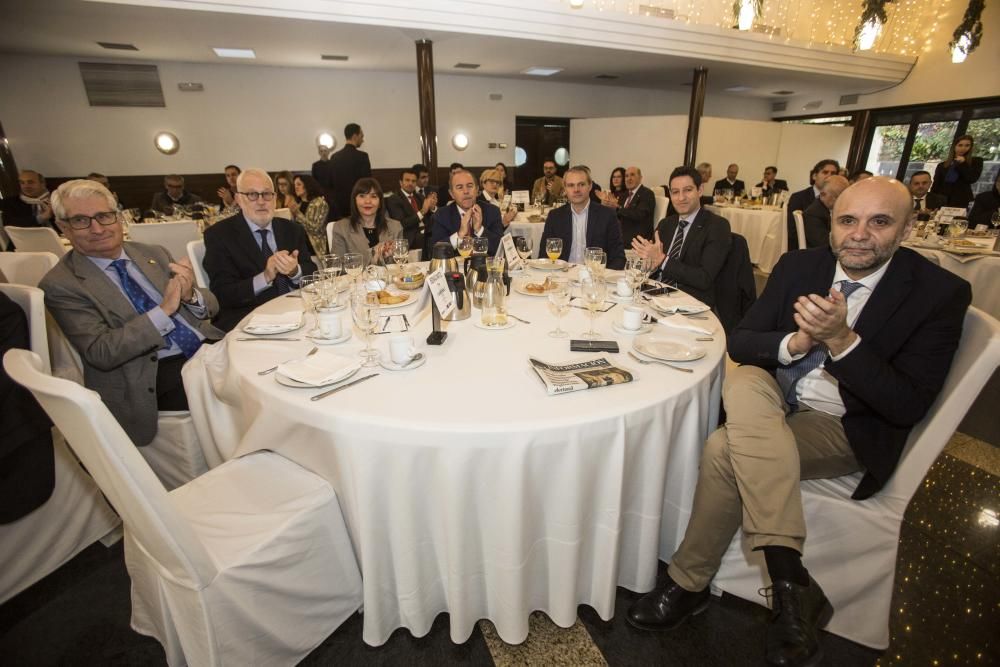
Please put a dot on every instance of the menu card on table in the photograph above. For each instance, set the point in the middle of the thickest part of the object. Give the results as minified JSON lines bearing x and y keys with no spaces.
{"x":522,"y":197}
{"x":514,"y":261}
{"x":564,"y":378}
{"x":440,"y":292}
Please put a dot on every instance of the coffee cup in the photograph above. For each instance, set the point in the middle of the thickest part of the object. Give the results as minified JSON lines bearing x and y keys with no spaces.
{"x":623,"y":287}
{"x":330,"y":325}
{"x":632,"y":318}
{"x":401,"y":349}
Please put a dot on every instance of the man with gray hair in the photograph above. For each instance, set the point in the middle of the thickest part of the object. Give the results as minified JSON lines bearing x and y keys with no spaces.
{"x":173,"y":194}
{"x":132,"y":312}
{"x":31,"y":208}
{"x":636,"y":213}
{"x":816,"y":217}
{"x":252,"y":257}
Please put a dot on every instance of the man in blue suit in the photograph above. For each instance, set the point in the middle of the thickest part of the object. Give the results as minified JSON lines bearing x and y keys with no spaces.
{"x":464,"y":217}
{"x":582,"y":225}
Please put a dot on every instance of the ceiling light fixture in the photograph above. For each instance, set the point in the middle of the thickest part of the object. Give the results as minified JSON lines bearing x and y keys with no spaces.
{"x":738,"y":89}
{"x":868,"y":34}
{"x":460,"y":141}
{"x":166,"y":142}
{"x":223,"y":52}
{"x":542,"y":71}
{"x":749,"y":9}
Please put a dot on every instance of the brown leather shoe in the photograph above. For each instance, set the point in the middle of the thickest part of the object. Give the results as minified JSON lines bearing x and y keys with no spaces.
{"x":797,"y":612}
{"x":667,"y":607}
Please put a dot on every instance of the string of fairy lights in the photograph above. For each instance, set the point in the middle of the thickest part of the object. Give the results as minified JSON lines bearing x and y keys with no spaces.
{"x":910,"y":28}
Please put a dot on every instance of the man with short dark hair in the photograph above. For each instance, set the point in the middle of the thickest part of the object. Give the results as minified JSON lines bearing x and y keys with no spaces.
{"x":816,"y":218}
{"x":730,"y":182}
{"x":770,"y":183}
{"x":173,"y":194}
{"x":410,"y":208}
{"x":31,"y":208}
{"x":583,"y":224}
{"x":347,"y":166}
{"x":463,"y":217}
{"x":548,"y":188}
{"x":923,"y":199}
{"x":689,"y":248}
{"x":799,"y":201}
{"x":424,"y":187}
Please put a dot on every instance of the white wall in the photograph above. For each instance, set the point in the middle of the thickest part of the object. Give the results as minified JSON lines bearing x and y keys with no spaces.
{"x":269,"y":116}
{"x":656,"y":145}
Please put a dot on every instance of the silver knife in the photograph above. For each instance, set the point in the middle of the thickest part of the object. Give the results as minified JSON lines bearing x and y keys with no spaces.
{"x":406,"y":321}
{"x":268,"y":338}
{"x":343,"y":386}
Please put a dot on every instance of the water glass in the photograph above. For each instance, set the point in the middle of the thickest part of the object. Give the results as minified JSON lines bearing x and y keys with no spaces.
{"x":365,"y":311}
{"x":594,"y":291}
{"x":353,"y":263}
{"x":480,"y":245}
{"x":559,"y":298}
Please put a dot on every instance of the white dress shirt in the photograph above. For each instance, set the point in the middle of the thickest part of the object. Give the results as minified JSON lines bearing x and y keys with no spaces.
{"x":578,"y":244}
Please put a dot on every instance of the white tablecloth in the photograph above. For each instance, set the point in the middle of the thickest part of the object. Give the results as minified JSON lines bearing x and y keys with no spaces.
{"x":764,"y":230}
{"x":468,"y":490}
{"x":982,"y":272}
{"x":521,"y":226}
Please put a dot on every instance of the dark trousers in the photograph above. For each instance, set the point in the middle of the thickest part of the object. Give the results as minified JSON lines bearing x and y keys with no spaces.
{"x":169,"y":386}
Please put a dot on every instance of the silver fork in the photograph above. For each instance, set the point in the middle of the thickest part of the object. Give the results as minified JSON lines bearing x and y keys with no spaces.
{"x":518,"y":319}
{"x":274,"y":368}
{"x":661,"y":363}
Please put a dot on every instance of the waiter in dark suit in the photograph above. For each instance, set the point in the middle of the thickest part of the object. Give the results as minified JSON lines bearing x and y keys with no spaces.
{"x":410,"y":208}
{"x":843,"y":354}
{"x":583,"y":223}
{"x":635,"y":213}
{"x":799,"y":201}
{"x":253,"y":257}
{"x":347,"y":166}
{"x":464,"y":217}
{"x":689,"y":248}
{"x":730,"y":182}
{"x":771,"y":182}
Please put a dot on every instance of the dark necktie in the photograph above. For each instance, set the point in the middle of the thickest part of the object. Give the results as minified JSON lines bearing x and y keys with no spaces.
{"x":678,"y":242}
{"x":628,"y":200}
{"x":788,"y":376}
{"x":916,"y":203}
{"x":413,"y":203}
{"x":182,"y":335}
{"x":282,"y":283}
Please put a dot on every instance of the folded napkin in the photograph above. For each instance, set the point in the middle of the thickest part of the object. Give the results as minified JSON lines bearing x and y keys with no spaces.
{"x":686,"y":325}
{"x":321,"y":368}
{"x":673,"y":305}
{"x":264,"y":322}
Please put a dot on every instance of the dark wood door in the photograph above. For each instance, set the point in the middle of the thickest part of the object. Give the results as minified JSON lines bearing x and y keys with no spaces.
{"x":540,"y":138}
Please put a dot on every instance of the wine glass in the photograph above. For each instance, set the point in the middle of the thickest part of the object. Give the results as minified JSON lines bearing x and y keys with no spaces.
{"x":595,"y":259}
{"x":353,"y":264}
{"x":480,"y":245}
{"x":523,"y":245}
{"x":312,"y":293}
{"x":636,"y":269}
{"x":330,"y":266}
{"x":958,"y":227}
{"x":995,"y":222}
{"x":365,"y":310}
{"x":553,"y":249}
{"x":559,"y":298}
{"x":400,"y":253}
{"x":594,"y":292}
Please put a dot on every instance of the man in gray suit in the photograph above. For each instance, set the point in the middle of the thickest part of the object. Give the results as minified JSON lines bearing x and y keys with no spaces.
{"x":132,"y":313}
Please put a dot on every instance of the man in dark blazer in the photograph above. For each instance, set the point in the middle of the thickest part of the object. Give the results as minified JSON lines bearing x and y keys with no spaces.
{"x":322,"y":171}
{"x":410,"y":208}
{"x":730,"y":182}
{"x":31,"y":208}
{"x":583,"y":224}
{"x":444,"y":191}
{"x":689,"y":248}
{"x":635,"y":213}
{"x":799,"y":201}
{"x":843,"y":355}
{"x":242,"y":272}
{"x":346,"y":166}
{"x":816,"y":218}
{"x":130,"y":311}
{"x":771,"y":183}
{"x":923,"y":199}
{"x":464,"y":217}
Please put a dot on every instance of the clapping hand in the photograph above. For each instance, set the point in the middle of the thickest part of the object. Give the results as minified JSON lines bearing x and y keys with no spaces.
{"x":822,"y":319}
{"x":225,"y":195}
{"x":283,"y":262}
{"x":651,"y":251}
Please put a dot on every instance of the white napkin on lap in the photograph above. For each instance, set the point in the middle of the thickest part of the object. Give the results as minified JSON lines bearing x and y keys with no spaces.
{"x":274,"y":321}
{"x":321,"y":368}
{"x":685,"y":325}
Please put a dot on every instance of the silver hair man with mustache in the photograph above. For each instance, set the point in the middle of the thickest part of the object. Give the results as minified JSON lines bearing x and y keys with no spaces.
{"x":844,"y":352}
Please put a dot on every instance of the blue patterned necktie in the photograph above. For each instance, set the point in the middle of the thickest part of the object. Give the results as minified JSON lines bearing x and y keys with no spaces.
{"x":282,"y":283}
{"x":182,"y":335}
{"x":788,"y":376}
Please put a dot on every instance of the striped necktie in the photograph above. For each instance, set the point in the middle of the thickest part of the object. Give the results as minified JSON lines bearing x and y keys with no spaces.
{"x":678,"y":242}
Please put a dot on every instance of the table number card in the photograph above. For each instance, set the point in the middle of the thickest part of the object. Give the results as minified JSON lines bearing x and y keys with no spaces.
{"x":514,"y":261}
{"x":522,"y":197}
{"x":443,"y":298}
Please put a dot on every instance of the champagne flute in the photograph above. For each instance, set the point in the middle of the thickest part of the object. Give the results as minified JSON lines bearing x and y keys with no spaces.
{"x":553,"y":249}
{"x":365,"y":310}
{"x":594,"y":292}
{"x":559,"y":304}
{"x":465,"y":251}
{"x":353,"y":264}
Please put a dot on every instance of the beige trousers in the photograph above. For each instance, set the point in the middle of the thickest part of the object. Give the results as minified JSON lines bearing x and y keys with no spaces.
{"x":750,"y":473}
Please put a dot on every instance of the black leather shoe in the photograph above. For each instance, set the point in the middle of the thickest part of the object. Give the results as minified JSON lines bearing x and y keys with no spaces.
{"x":666,"y":608}
{"x":797,"y":612}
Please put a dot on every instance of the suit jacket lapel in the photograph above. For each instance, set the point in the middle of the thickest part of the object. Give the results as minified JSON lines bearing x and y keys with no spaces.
{"x":250,"y":242}
{"x":693,"y":234}
{"x":888,"y":295}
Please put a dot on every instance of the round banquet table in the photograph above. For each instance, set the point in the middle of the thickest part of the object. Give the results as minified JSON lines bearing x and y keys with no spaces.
{"x":466,"y":488}
{"x":522,"y":226}
{"x":764,"y":230}
{"x":982,"y":271}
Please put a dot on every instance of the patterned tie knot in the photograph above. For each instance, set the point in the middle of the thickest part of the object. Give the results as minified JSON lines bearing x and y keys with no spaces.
{"x":847,"y":287}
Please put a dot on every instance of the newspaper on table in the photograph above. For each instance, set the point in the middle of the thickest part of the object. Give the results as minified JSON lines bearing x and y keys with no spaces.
{"x":564,"y":378}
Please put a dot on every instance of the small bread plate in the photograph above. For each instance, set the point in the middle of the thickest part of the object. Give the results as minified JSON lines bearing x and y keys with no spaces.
{"x":548,"y":265}
{"x":510,"y":325}
{"x":319,"y":340}
{"x":666,"y":348}
{"x":289,"y":382}
{"x":409,"y":297}
{"x":390,"y":365}
{"x":519,"y":287}
{"x":618,"y":327}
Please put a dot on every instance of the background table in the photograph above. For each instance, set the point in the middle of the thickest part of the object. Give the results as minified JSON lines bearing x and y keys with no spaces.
{"x":521,"y":226}
{"x":764,"y":230}
{"x":982,"y":272}
{"x":468,"y":490}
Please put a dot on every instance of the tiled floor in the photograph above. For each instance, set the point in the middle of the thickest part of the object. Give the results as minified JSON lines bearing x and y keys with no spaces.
{"x":945,"y":610}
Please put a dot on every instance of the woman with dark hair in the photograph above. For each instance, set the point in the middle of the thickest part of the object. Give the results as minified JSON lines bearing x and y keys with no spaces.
{"x":617,"y":191}
{"x":954,"y":177}
{"x":285,"y":187}
{"x":368,"y":231}
{"x":504,"y":183}
{"x":311,"y":200}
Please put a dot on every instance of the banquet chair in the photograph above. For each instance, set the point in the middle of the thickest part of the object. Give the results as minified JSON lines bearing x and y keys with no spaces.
{"x":36,"y":239}
{"x":735,"y":288}
{"x":660,"y":211}
{"x":26,"y":268}
{"x":851,"y":545}
{"x":250,"y":564}
{"x":800,"y":228}
{"x":174,"y":235}
{"x":75,"y":515}
{"x":196,"y":253}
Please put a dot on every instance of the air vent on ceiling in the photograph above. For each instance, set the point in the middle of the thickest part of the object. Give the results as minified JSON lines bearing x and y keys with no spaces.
{"x":606,"y":77}
{"x":815,"y":104}
{"x":496,"y":97}
{"x":466,"y":65}
{"x":779,"y":106}
{"x":657,"y":12}
{"x":848,"y":99}
{"x":115,"y":46}
{"x":190,"y":87}
{"x":783,"y":92}
{"x":330,"y":57}
{"x":114,"y":85}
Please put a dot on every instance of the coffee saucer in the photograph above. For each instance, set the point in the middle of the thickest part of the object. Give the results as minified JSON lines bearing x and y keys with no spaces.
{"x":617,"y":325}
{"x":319,"y":340}
{"x":390,"y":365}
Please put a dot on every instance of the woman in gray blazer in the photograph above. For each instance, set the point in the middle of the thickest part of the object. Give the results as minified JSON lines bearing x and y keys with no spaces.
{"x":368,"y":231}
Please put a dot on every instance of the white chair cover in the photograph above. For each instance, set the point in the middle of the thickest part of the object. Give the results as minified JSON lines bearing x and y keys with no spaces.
{"x":660,"y":211}
{"x":26,"y":268}
{"x":851,"y":545}
{"x":32,"y":302}
{"x":800,"y":228}
{"x":174,"y":236}
{"x":36,"y":239}
{"x":196,"y":253}
{"x":250,"y":564}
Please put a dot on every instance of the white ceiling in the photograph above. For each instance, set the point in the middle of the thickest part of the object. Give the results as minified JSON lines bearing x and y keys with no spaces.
{"x":73,"y":28}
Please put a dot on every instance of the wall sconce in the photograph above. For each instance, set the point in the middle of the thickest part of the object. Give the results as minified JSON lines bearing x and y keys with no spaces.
{"x":460,"y":141}
{"x":326,"y":140}
{"x":166,"y":142}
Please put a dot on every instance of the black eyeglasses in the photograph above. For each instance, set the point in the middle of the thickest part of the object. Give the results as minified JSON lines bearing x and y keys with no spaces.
{"x":81,"y":222}
{"x":252,"y":196}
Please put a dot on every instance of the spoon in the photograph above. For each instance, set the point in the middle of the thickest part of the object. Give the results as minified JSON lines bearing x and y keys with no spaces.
{"x":417,"y":357}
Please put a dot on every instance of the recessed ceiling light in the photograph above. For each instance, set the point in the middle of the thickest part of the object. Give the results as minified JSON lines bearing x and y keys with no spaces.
{"x":115,"y":46}
{"x":783,"y":92}
{"x":738,"y":89}
{"x":234,"y":53}
{"x":166,"y":142}
{"x":542,"y":71}
{"x":466,"y":65}
{"x":330,"y":57}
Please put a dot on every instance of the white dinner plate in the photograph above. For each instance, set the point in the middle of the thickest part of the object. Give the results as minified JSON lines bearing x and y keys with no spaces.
{"x":410,"y":296}
{"x":289,"y":382}
{"x":546,"y":265}
{"x":666,"y":348}
{"x":510,"y":325}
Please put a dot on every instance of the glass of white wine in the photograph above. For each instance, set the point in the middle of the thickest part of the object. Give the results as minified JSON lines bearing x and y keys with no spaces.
{"x":353,"y":263}
{"x":595,"y":259}
{"x":553,"y":249}
{"x":400,"y":253}
{"x":365,"y":310}
{"x":559,"y":298}
{"x":636,"y":269}
{"x":594,"y":292}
